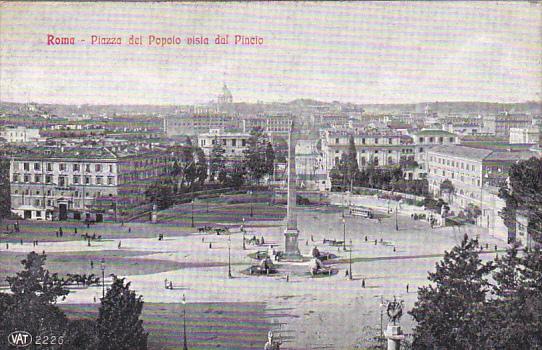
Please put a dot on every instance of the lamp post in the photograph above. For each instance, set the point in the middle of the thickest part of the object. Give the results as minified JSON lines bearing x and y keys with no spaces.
{"x":192,"y":223}
{"x":229,"y":257}
{"x":243,"y":230}
{"x":382,"y":306}
{"x":102,"y":267}
{"x":251,"y":205}
{"x":185,"y":344}
{"x":344,"y":233}
{"x":396,"y":222}
{"x":350,"y":275}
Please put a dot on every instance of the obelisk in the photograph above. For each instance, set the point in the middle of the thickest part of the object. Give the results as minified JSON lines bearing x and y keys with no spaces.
{"x":291,"y":249}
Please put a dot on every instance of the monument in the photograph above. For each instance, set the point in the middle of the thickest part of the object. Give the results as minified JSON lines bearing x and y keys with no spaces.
{"x":291,"y":249}
{"x":393,"y":333}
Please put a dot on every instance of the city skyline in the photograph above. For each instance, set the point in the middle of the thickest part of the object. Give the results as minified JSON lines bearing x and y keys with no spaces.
{"x":365,"y":53}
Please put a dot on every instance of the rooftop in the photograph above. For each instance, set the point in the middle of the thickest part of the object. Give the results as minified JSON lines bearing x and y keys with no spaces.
{"x":433,"y":132}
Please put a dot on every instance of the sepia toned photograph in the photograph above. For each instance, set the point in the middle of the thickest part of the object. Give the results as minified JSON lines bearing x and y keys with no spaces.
{"x":271,"y":175}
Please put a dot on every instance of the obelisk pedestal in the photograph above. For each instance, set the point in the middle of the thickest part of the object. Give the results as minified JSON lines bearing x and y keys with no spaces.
{"x":291,"y":234}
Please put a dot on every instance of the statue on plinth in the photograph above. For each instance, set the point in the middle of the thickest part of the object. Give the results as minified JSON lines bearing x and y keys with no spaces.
{"x":272,"y":343}
{"x":393,"y":333}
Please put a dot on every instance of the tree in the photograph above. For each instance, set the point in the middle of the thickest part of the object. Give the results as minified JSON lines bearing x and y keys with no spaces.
{"x":118,"y":325}
{"x":255,"y":156}
{"x":269,"y":158}
{"x":31,"y":304}
{"x":5,"y":195}
{"x":161,"y":193}
{"x":447,"y":311}
{"x":217,"y":163}
{"x":201,"y":166}
{"x":524,"y":192}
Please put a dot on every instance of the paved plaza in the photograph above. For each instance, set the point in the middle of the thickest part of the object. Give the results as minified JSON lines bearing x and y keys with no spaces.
{"x":311,"y":313}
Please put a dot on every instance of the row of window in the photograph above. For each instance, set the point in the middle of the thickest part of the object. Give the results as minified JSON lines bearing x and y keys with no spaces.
{"x":50,"y":193}
{"x":64,"y":167}
{"x":64,"y":180}
{"x":470,"y":180}
{"x":233,"y":142}
{"x":433,"y":139}
{"x":453,"y":163}
{"x":363,"y":141}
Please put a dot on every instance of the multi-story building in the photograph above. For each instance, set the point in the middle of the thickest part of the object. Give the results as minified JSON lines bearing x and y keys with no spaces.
{"x":189,"y":124}
{"x":528,"y":136}
{"x":475,"y":175}
{"x":20,"y":134}
{"x":272,"y":125}
{"x":309,"y":166}
{"x":233,"y":143}
{"x":379,"y":148}
{"x":81,"y":182}
{"x":425,"y":139}
{"x":500,"y":124}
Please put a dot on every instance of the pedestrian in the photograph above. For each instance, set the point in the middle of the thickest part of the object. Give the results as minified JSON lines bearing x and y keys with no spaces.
{"x":306,"y":242}
{"x":394,"y":249}
{"x":21,"y":242}
{"x":487,"y":245}
{"x":171,"y":285}
{"x":365,"y":238}
{"x":202,"y":239}
{"x":75,"y":230}
{"x":120,"y":243}
{"x":60,"y":232}
{"x":129,"y":229}
{"x":346,"y":273}
{"x":376,"y":242}
{"x":495,"y":247}
{"x":7,"y":246}
{"x":407,"y":287}
{"x":88,"y":242}
{"x":363,"y":283}
{"x":287,"y":278}
{"x":165,"y":283}
{"x":210,"y":245}
{"x":94,"y":298}
{"x":88,"y":224}
{"x":91,"y":264}
{"x":312,"y":238}
{"x":381,"y":240}
{"x":56,"y":234}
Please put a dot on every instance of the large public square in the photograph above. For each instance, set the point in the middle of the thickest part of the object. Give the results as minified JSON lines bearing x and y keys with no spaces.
{"x":333,"y":312}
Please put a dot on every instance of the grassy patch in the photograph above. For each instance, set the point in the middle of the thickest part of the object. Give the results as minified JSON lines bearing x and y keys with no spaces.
{"x":208,"y":325}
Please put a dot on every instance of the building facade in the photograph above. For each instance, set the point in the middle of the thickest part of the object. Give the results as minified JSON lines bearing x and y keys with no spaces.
{"x":82,"y":183}
{"x":528,"y":136}
{"x":233,"y":143}
{"x":20,"y":134}
{"x":500,"y":124}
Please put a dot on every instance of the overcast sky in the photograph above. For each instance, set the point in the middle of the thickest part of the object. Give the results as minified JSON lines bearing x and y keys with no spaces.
{"x":358,"y":52}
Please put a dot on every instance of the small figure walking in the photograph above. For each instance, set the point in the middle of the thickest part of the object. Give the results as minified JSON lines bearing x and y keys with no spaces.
{"x":210,"y":245}
{"x":165,"y":283}
{"x":346,"y":273}
{"x":376,"y":242}
{"x":171,"y":285}
{"x":287,"y":278}
{"x":495,"y":247}
{"x":129,"y":229}
{"x":120,"y":243}
{"x":394,"y":249}
{"x":363,"y":283}
{"x":21,"y":242}
{"x":75,"y":230}
{"x":7,"y":246}
{"x":94,"y":298}
{"x":91,"y":264}
{"x":365,"y":238}
{"x":407,"y":287}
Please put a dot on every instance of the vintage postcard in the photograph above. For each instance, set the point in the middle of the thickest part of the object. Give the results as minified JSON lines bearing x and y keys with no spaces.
{"x":271,"y":175}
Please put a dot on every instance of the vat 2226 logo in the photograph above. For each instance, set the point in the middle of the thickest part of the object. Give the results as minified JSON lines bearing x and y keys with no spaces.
{"x":22,"y":339}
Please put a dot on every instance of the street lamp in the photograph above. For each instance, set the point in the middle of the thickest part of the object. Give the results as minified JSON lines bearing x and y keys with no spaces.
{"x":350,"y":275}
{"x":102,"y":267}
{"x":382,"y":306}
{"x":185,"y":344}
{"x":243,"y":230}
{"x":344,"y":232}
{"x":251,"y":205}
{"x":192,"y":202}
{"x":396,"y":210}
{"x":229,"y":257}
